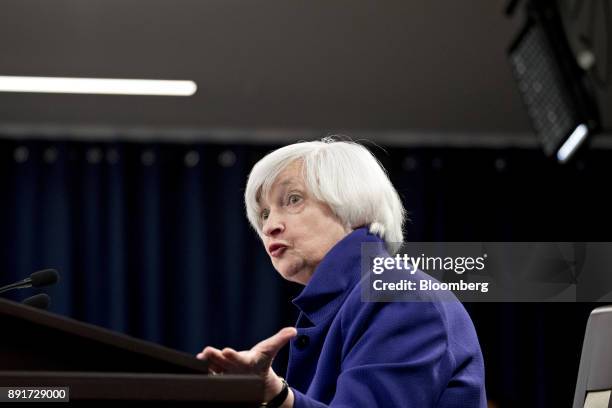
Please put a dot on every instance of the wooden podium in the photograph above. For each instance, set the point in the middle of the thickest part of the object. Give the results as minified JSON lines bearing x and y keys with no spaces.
{"x":42,"y":349}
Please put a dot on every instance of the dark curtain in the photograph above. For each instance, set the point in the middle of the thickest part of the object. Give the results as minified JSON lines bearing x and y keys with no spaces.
{"x":151,"y":240}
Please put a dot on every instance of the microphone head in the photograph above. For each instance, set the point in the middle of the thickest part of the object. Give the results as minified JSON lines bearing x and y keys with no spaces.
{"x":40,"y":301}
{"x":44,"y":277}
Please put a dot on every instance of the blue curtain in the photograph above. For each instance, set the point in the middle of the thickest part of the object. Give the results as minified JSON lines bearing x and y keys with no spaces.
{"x":151,"y":240}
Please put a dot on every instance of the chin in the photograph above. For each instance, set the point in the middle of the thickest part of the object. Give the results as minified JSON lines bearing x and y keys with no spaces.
{"x":289,"y":270}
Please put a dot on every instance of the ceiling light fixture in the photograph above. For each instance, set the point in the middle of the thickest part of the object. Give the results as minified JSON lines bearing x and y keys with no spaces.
{"x":106,"y":86}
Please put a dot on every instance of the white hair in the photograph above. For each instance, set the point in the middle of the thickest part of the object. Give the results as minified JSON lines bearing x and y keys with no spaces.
{"x":342,"y":174}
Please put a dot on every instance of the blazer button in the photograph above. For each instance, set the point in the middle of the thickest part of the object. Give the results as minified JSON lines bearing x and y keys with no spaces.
{"x":302,"y":341}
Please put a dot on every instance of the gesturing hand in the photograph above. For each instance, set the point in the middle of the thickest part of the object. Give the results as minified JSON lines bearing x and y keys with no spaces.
{"x":257,"y":360}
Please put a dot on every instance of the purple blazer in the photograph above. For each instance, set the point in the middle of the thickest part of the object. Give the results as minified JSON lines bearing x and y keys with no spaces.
{"x":350,"y":353}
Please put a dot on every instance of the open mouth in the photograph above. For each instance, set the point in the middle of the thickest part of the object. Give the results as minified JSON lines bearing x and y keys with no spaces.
{"x":277,"y":250}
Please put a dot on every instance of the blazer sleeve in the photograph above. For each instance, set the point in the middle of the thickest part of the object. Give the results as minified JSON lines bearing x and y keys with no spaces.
{"x":393,"y":355}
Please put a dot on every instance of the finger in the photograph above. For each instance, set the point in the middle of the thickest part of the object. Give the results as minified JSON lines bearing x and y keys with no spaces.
{"x":215,"y":356}
{"x":236,"y":366}
{"x":272,"y":345}
{"x":210,"y":353}
{"x":222,"y":364}
{"x":243,"y":359}
{"x":207,"y":352}
{"x":247,"y":361}
{"x":214,"y":369}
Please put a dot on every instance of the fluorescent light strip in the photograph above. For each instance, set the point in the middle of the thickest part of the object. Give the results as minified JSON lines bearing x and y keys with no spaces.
{"x":106,"y":86}
{"x":572,"y":143}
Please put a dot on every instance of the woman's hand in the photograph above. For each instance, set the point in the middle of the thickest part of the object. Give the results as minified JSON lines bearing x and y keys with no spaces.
{"x":257,"y":360}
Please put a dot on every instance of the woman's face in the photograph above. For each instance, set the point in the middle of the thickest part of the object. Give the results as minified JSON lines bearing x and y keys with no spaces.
{"x":297,"y":230}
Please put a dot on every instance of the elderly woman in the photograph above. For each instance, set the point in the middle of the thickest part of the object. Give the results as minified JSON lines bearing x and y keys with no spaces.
{"x":313,"y":204}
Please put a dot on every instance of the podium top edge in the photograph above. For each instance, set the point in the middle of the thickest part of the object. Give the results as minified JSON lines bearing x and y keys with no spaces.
{"x":101,"y":335}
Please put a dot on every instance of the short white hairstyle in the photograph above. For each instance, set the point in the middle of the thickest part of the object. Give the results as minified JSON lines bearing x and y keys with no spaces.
{"x":342,"y":174}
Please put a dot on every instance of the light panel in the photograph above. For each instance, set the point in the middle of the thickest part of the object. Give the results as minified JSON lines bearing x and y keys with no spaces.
{"x":106,"y":86}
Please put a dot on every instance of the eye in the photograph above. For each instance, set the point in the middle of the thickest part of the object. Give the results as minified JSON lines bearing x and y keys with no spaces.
{"x":294,"y":199}
{"x":264,"y":214}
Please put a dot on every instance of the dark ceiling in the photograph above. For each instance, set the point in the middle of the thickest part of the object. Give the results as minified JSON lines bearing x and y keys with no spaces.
{"x":379,"y":65}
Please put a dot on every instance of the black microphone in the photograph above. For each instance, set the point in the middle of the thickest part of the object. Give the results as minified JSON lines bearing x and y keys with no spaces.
{"x":44,"y":278}
{"x":40,"y":301}
{"x":37,"y":279}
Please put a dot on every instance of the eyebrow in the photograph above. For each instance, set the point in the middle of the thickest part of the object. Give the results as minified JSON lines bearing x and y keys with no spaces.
{"x":287,"y":182}
{"x":284,"y":183}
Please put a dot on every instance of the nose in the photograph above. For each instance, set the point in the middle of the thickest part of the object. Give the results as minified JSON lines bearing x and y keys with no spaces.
{"x":273,"y":226}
